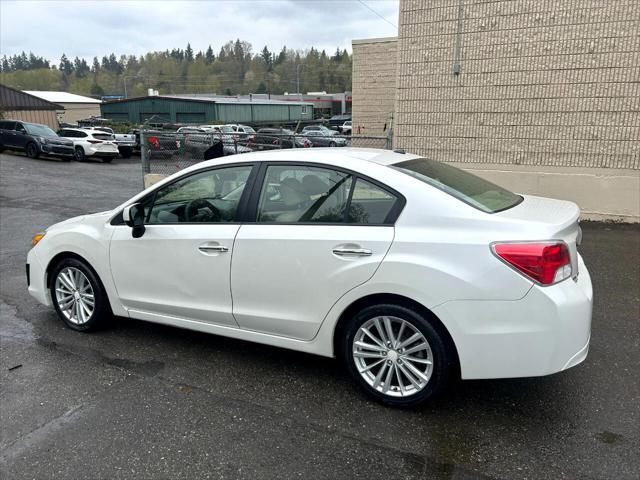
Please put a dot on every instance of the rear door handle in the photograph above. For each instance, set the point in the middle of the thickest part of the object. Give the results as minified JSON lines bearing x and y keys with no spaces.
{"x":212,"y":248}
{"x":359,"y":252}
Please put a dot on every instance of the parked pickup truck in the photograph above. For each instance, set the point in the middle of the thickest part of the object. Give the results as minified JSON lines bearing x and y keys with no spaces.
{"x":126,"y":141}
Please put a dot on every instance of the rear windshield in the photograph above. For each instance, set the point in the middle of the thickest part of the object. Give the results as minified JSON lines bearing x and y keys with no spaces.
{"x":103,"y":136}
{"x":465,"y":186}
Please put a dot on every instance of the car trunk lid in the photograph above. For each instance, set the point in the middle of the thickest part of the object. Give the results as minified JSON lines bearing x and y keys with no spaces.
{"x":548,"y":219}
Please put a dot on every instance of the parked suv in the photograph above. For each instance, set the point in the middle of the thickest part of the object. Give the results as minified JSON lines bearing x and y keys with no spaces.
{"x":33,"y":139}
{"x":89,"y":143}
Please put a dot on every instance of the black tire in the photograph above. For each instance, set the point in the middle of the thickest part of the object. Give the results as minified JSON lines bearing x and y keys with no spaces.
{"x":32,"y":150}
{"x":332,"y":144}
{"x":126,"y":153}
{"x":107,"y":160}
{"x":78,"y":154}
{"x":101,"y":314}
{"x":444,"y":360}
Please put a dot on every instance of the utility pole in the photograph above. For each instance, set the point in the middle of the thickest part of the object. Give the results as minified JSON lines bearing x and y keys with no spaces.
{"x":298,"y":80}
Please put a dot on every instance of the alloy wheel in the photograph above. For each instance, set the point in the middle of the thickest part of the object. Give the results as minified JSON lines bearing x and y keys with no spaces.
{"x":392,"y":356}
{"x":74,"y":295}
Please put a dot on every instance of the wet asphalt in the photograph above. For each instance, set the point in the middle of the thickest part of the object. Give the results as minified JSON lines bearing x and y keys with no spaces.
{"x":140,"y":400}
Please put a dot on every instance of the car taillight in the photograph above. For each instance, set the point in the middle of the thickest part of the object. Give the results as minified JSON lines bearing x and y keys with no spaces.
{"x":543,"y":262}
{"x":94,"y":141}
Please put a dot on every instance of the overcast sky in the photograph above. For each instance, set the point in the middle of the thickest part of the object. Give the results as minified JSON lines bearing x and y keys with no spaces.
{"x":88,"y":28}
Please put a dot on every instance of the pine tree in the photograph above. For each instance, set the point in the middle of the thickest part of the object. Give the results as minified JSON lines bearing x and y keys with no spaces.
{"x":188,"y":53}
{"x":209,"y":57}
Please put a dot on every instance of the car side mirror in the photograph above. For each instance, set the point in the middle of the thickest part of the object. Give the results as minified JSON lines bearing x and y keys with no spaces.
{"x":133,"y":216}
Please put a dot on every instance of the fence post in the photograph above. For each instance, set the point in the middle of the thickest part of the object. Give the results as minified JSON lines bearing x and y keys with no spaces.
{"x":144,"y":155}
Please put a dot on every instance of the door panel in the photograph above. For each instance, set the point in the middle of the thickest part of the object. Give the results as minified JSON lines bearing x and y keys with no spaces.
{"x":175,"y":270}
{"x":285,"y":278}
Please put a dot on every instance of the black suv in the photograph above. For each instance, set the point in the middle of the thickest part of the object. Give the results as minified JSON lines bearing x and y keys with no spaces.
{"x":34,"y":139}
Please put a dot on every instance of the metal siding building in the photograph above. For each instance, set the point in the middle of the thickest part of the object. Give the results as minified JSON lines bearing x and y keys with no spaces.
{"x":205,"y":110}
{"x":17,"y":105}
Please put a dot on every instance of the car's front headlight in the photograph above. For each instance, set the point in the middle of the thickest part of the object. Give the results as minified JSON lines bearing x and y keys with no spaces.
{"x":43,"y":140}
{"x":37,"y":237}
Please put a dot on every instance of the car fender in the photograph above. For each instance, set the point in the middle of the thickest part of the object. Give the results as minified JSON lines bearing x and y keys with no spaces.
{"x":88,"y":238}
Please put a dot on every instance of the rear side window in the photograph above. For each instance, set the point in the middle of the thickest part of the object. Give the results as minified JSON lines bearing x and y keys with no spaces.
{"x":464,"y":186}
{"x":103,"y":136}
{"x":370,"y":204}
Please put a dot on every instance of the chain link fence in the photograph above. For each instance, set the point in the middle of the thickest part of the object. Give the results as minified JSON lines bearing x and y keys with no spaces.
{"x":164,"y":153}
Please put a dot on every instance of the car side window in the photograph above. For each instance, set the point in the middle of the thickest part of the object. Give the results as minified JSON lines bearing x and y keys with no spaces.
{"x":20,"y":128}
{"x":370,"y":204}
{"x":211,"y":196}
{"x":293,"y":194}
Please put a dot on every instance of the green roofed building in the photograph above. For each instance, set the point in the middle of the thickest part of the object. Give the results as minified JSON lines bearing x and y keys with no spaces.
{"x":203,"y":110}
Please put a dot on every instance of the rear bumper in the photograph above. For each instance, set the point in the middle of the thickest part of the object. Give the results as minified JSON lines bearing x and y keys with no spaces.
{"x":545,"y":332}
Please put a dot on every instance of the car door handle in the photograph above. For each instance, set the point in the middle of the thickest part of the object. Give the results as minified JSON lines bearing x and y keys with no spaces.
{"x":360,"y":252}
{"x":212,"y":248}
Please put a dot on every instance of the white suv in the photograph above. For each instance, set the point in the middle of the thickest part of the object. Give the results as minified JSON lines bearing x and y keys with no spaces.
{"x":90,"y":143}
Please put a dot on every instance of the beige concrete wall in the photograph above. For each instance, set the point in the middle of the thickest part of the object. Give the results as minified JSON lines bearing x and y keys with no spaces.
{"x":44,"y":117}
{"x":79,"y":111}
{"x":547,"y":100}
{"x":373,"y":85}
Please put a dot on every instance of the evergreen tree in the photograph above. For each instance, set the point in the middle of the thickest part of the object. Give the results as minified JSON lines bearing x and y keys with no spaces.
{"x":209,"y":57}
{"x":188,"y":53}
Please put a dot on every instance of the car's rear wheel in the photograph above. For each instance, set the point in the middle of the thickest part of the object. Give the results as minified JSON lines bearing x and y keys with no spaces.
{"x":78,"y":154}
{"x":332,"y":144}
{"x":78,"y":295}
{"x":396,"y":355}
{"x":32,"y":150}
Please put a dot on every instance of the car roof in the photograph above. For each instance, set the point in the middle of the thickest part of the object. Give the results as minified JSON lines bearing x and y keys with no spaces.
{"x":321,"y":155}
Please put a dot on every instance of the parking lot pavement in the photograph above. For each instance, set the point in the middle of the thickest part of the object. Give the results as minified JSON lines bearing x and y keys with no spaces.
{"x":146,"y":401}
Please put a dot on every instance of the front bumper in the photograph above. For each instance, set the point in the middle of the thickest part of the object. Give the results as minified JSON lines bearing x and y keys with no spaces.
{"x":60,"y":150}
{"x":545,"y":332}
{"x":37,"y":279}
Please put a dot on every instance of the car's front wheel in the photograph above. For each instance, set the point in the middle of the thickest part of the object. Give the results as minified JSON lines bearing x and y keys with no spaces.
{"x":78,"y":295}
{"x":32,"y":150}
{"x":396,"y":355}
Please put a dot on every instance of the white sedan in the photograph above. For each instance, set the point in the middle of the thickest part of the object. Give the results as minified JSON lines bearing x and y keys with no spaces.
{"x":409,"y":270}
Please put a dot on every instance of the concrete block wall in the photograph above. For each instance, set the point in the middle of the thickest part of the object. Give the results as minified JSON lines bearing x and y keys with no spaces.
{"x":373,"y":85}
{"x":547,"y":100}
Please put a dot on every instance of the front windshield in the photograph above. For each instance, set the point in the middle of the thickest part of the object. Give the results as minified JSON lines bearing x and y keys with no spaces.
{"x":464,"y":186}
{"x":40,"y":130}
{"x":226,"y":130}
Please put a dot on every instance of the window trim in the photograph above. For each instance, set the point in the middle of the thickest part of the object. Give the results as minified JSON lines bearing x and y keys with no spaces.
{"x":242,"y":204}
{"x":252,"y":208}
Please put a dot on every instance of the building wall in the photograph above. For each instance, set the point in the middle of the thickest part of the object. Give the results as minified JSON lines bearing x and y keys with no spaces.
{"x":79,"y":111}
{"x":180,"y":111}
{"x":547,"y":100}
{"x":373,"y":85}
{"x":44,"y":117}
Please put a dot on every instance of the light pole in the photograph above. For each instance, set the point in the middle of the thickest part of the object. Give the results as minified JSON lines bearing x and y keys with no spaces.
{"x":124,"y":82}
{"x":298,"y":80}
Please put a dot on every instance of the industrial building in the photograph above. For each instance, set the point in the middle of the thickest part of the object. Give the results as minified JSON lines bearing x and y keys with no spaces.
{"x":74,"y":107}
{"x":18,"y":105}
{"x":202,"y":110}
{"x":324,"y":104}
{"x":540,"y":97}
